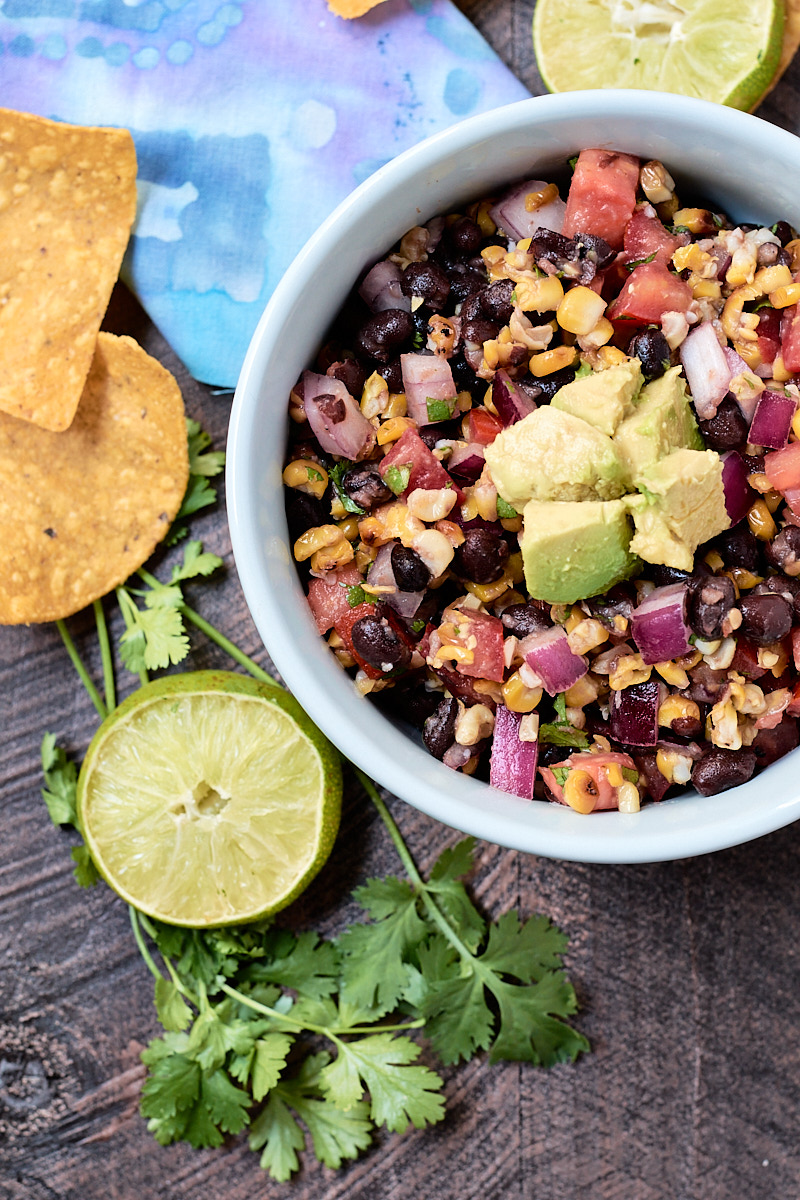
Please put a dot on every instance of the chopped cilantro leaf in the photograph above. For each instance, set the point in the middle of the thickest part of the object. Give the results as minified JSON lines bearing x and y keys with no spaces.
{"x":438,"y":410}
{"x":356,"y":595}
{"x":505,"y":511}
{"x":557,"y":735}
{"x":638,"y":262}
{"x":560,"y":774}
{"x":583,"y":371}
{"x":396,"y":478}
{"x":335,"y":474}
{"x":630,"y":774}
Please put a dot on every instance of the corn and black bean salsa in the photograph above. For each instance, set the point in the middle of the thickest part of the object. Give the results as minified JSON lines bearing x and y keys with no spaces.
{"x":543,"y":488}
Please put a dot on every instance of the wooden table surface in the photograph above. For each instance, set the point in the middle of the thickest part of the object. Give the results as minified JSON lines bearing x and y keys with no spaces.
{"x":687,"y":972}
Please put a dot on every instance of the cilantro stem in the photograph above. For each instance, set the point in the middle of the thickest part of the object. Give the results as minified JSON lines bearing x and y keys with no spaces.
{"x":106,"y":656}
{"x":228,"y":646}
{"x":436,"y":914}
{"x":125,"y":606}
{"x":323,"y":1030}
{"x":79,"y":666}
{"x":140,"y":942}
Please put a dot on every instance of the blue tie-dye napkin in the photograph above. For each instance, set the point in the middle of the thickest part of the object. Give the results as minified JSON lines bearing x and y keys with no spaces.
{"x":252,"y":120}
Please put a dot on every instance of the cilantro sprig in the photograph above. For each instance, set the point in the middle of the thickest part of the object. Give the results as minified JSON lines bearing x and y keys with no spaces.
{"x":291,"y":1037}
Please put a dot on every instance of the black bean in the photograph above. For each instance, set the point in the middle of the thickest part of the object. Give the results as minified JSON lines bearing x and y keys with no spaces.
{"x":710,"y":600}
{"x":652,"y":349}
{"x":522,"y":619}
{"x":765,"y":618}
{"x":465,"y":378}
{"x":594,"y":249}
{"x":690,"y":727}
{"x":727,"y":429}
{"x":439,"y":730}
{"x":332,"y":408}
{"x":496,"y":300}
{"x":378,"y":644}
{"x":392,"y":372}
{"x":351,"y":373}
{"x":767,"y":254}
{"x":304,"y":511}
{"x":482,"y":556}
{"x":662,"y":576}
{"x":381,"y":336}
{"x":550,"y":384}
{"x":783,"y":551}
{"x":784,"y":231}
{"x":479,"y":330}
{"x":550,"y":753}
{"x":410,"y":572}
{"x":719,"y":770}
{"x":465,"y":236}
{"x":408,"y":699}
{"x":784,"y":585}
{"x":464,"y":281}
{"x":365,"y":487}
{"x":771,"y":744}
{"x":426,"y":279}
{"x":739,"y":547}
{"x":619,"y":601}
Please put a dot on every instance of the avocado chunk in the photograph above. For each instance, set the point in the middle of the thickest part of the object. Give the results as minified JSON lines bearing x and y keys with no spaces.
{"x":551,"y":455}
{"x":571,"y":550}
{"x":663,"y":421}
{"x":603,"y":398}
{"x":681,"y":503}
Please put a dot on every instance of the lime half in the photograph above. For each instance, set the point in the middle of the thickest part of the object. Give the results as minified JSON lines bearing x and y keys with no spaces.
{"x":208,"y":798}
{"x":722,"y":50}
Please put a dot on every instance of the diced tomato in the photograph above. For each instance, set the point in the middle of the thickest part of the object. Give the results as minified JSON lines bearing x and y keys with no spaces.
{"x":790,"y":338}
{"x":488,"y":661}
{"x":426,"y":470}
{"x":602,"y":195}
{"x":344,"y":627}
{"x":650,"y":291}
{"x":327,"y":597}
{"x":745,"y":660}
{"x":782,"y":468}
{"x":595,"y":765}
{"x":769,"y":333}
{"x":794,"y":704}
{"x":483,"y":426}
{"x":645,"y":236}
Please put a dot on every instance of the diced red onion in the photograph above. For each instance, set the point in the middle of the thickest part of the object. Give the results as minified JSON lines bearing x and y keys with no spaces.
{"x":511,"y":403}
{"x":687,"y":749}
{"x":633,"y":713}
{"x":426,"y":377}
{"x":772,"y":420}
{"x":457,"y":756}
{"x":513,"y":217}
{"x":737,"y":490}
{"x":707,"y":371}
{"x":659,"y":626}
{"x":549,"y":656}
{"x":380,"y":288}
{"x":466,"y":461}
{"x":512,"y":766}
{"x":435,"y":228}
{"x":382,"y":575}
{"x":352,"y":436}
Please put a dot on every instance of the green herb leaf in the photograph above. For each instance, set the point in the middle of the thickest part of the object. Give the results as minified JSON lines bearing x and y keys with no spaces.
{"x":583,"y":371}
{"x":356,"y":595}
{"x":400,"y":1094}
{"x":335,"y":474}
{"x":173,"y":1011}
{"x":86,"y":873}
{"x":560,"y":775}
{"x":505,"y":511}
{"x":60,"y":777}
{"x":196,"y":562}
{"x":438,"y":410}
{"x":396,"y":478}
{"x":557,"y":735}
{"x":638,"y":262}
{"x":373,"y":955}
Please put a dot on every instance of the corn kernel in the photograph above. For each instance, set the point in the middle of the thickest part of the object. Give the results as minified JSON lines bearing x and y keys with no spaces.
{"x":714,"y":560}
{"x":782,"y":297}
{"x":759,"y":518}
{"x":431,"y":504}
{"x":696,"y":220}
{"x":328,"y":558}
{"x":484,"y":220}
{"x":349,"y":527}
{"x":597,"y":337}
{"x":487,"y":592}
{"x":629,"y":669}
{"x":690,"y":257}
{"x":539,"y":294}
{"x":656,"y":182}
{"x":677,"y":708}
{"x":773,"y":500}
{"x":731,"y":316}
{"x":770,"y":278}
{"x":628,"y":799}
{"x":538,"y":199}
{"x":553,"y":360}
{"x":519,"y":698}
{"x":749,"y":351}
{"x":394,"y":428}
{"x":610,"y":356}
{"x":580,"y":310}
{"x":744,"y":579}
{"x":318,"y":538}
{"x":706,"y":289}
{"x":779,"y":371}
{"x":397,"y":406}
{"x":373,"y":532}
{"x":673,"y":674}
{"x":575,"y":617}
{"x":304,"y":475}
{"x":580,"y":791}
{"x":614,"y":775}
{"x":794,"y":249}
{"x":374,"y":396}
{"x":584,"y":692}
{"x":473,"y":724}
{"x":587,"y":635}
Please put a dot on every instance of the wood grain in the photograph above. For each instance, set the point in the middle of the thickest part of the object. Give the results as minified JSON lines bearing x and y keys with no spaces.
{"x":687,"y":972}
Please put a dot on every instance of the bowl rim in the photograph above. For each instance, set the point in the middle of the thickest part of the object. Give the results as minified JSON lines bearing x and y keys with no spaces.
{"x":660,"y":831}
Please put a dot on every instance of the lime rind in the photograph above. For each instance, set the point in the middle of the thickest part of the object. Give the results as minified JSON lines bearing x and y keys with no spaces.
{"x":727,"y":50}
{"x":209,"y":799}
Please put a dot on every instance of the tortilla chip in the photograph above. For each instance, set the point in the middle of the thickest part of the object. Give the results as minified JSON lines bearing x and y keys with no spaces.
{"x":352,"y":8}
{"x":67,"y":203}
{"x":81,"y":510}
